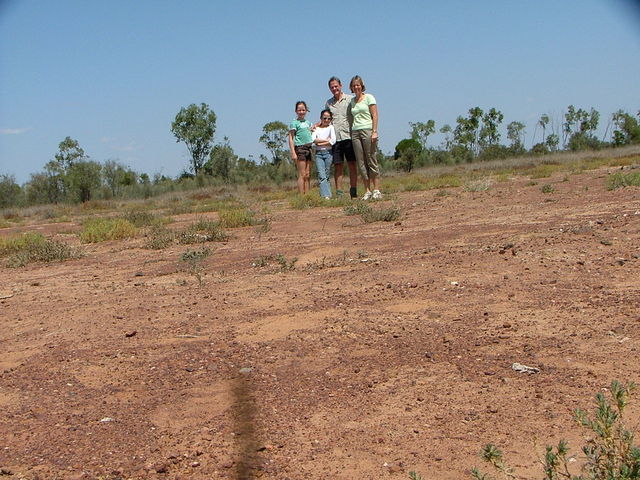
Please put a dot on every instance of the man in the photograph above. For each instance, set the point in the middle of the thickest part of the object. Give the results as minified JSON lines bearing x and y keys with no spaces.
{"x":343,"y":149}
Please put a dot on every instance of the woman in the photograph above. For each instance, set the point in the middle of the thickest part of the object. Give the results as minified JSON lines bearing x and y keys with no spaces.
{"x":324,"y":137}
{"x":363,"y":118}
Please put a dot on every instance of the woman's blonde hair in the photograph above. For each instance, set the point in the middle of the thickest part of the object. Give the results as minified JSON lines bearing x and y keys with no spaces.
{"x":357,"y":78}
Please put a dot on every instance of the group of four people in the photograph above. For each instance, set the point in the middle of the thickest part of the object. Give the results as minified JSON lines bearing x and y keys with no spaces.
{"x":347,"y":133}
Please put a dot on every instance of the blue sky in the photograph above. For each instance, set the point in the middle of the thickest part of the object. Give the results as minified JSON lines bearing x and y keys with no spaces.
{"x":113,"y":74}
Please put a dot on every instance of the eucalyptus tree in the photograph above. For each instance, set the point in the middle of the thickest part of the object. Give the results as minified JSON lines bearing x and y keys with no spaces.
{"x":543,"y":122}
{"x":489,"y":134}
{"x":274,"y":138}
{"x":515,"y":133}
{"x":420,"y":131}
{"x":627,"y":129}
{"x":195,"y":126}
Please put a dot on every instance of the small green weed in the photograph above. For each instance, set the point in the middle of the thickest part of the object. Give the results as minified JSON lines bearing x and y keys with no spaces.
{"x":620,"y":180}
{"x":97,"y":230}
{"x":609,"y":452}
{"x":547,"y":188}
{"x":262,"y":225}
{"x":194,"y":259}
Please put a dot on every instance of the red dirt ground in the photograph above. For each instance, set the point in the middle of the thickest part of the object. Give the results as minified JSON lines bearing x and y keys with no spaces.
{"x":389,"y":347}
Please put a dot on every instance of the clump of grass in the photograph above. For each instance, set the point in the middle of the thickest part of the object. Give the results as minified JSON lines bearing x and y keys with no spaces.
{"x":236,"y":217}
{"x":609,"y":452}
{"x":478,"y":184}
{"x":141,"y":218}
{"x":34,"y":247}
{"x":547,"y":188}
{"x":159,"y":237}
{"x":203,"y":231}
{"x":96,"y":230}
{"x":384,"y":214}
{"x":16,"y":243}
{"x":620,"y":180}
{"x":443,"y":193}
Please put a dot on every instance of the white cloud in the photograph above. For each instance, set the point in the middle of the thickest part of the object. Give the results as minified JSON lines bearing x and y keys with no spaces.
{"x":13,"y":131}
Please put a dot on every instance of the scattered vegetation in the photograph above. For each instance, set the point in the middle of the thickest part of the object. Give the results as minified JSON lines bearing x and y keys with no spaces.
{"x":609,"y":452}
{"x":547,"y":188}
{"x":278,"y":259}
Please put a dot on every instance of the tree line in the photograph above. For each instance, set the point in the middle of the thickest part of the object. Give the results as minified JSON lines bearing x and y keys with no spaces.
{"x":477,"y":137}
{"x":73,"y":177}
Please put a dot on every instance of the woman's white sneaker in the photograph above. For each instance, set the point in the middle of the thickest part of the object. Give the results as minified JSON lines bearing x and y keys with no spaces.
{"x":366,"y":196}
{"x":377,"y":195}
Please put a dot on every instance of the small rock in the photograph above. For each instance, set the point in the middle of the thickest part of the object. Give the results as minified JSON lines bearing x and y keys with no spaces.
{"x":131,"y":334}
{"x":107,"y":420}
{"x":518,"y":367}
{"x":246,"y":370}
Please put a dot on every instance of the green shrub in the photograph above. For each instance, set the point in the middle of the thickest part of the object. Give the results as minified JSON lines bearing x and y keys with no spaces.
{"x":609,"y":451}
{"x":97,"y":230}
{"x":33,"y":247}
{"x":547,"y":188}
{"x":619,"y":180}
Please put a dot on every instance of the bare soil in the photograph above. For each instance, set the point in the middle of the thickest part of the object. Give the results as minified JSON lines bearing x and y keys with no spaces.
{"x":388,"y":348}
